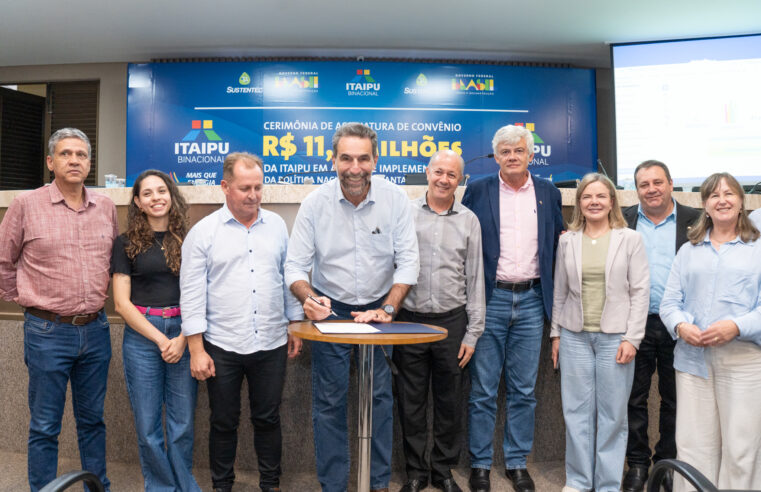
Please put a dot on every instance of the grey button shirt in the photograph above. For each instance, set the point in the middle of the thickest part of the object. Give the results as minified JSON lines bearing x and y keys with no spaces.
{"x":451,"y":265}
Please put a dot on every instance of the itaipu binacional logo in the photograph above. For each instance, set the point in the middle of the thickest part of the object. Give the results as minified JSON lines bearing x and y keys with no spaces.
{"x":363,"y":84}
{"x":542,"y":150}
{"x":244,"y":81}
{"x":201,"y":145}
{"x":473,"y":83}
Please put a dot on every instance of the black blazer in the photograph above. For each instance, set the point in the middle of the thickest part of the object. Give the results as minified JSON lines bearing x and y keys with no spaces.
{"x":685,"y":218}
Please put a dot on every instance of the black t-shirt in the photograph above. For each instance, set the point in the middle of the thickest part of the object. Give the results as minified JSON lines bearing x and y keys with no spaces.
{"x":153,"y":283}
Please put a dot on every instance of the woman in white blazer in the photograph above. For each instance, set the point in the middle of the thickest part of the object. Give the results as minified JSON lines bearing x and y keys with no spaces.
{"x":601,"y":297}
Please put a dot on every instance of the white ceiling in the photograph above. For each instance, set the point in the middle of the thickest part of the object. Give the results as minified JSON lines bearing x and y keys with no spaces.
{"x":34,"y":32}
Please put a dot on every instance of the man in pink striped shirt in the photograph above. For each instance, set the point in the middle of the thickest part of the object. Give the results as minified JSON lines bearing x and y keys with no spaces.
{"x":55,"y":252}
{"x":521,"y":221}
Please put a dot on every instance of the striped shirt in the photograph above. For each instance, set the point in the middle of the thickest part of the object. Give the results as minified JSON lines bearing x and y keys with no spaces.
{"x":53,"y":257}
{"x":451,"y":265}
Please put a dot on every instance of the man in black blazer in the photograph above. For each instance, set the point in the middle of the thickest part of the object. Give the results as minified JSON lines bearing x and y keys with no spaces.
{"x":663,"y":224}
{"x":521,"y":221}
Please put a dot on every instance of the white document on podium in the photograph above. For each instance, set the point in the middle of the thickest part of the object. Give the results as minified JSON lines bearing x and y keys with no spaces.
{"x":344,"y":328}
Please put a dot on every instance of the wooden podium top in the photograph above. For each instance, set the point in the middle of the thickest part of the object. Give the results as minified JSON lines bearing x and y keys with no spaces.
{"x":307,"y":331}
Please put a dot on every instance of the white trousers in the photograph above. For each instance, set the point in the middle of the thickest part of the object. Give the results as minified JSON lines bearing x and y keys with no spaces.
{"x":718,"y":420}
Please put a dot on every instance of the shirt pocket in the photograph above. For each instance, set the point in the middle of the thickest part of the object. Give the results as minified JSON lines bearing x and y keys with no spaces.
{"x":381,"y":244}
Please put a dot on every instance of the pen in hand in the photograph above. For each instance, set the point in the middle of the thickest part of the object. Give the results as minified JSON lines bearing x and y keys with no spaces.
{"x":321,"y":304}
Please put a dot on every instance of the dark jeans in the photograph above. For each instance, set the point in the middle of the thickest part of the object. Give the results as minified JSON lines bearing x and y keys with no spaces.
{"x":435,"y":362}
{"x":655,"y":351}
{"x":330,"y":387}
{"x":56,"y":353}
{"x":265,"y":374}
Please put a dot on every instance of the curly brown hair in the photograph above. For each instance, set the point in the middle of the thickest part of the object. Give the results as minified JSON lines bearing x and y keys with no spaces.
{"x":139,"y":232}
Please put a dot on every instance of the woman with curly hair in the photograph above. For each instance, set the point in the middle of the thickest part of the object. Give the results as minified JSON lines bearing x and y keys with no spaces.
{"x":146,"y":266}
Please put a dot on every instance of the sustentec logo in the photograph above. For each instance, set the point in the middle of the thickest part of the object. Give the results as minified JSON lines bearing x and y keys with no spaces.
{"x":201,"y":145}
{"x":542,"y":150}
{"x":297,"y":80}
{"x":362,"y":84}
{"x":244,"y":80}
{"x":421,"y":82}
{"x":473,"y":83}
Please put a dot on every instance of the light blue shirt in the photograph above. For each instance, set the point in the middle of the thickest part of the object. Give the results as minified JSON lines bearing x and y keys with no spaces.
{"x":660,"y":246}
{"x":755,"y":216}
{"x":705,"y":286}
{"x":231,"y":282}
{"x":355,"y":253}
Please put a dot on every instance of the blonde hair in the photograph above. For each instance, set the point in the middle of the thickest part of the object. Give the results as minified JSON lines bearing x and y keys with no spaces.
{"x":249,"y":160}
{"x":615,"y":217}
{"x":745,"y":228}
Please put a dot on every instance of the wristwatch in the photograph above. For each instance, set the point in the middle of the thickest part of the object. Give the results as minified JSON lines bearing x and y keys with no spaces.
{"x":389,"y":309}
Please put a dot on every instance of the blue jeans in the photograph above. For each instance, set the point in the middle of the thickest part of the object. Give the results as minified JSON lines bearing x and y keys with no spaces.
{"x":153,"y":384}
{"x":511,"y":342}
{"x":330,"y":385}
{"x":55,"y":353}
{"x":595,"y":391}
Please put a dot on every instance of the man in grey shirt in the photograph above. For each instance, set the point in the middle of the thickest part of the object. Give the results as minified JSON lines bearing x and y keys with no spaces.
{"x":449,"y":293}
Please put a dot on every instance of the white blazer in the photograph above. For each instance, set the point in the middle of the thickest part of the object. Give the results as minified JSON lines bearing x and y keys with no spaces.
{"x":627,"y":286}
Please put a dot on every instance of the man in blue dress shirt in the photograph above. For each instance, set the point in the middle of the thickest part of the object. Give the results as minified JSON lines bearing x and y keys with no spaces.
{"x":356,"y":235}
{"x":663,"y":224}
{"x":235,"y":313}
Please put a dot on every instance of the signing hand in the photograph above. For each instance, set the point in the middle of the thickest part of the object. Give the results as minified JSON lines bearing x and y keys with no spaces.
{"x":201,"y":366}
{"x":371,"y":316}
{"x":718,"y":333}
{"x":314,"y":311}
{"x":555,"y":351}
{"x":626,"y":353}
{"x":690,"y":333}
{"x":466,"y":352}
{"x":173,"y":350}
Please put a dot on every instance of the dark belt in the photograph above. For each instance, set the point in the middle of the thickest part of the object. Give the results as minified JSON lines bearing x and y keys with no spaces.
{"x":447,"y":314}
{"x":518,"y":286}
{"x":76,"y":320}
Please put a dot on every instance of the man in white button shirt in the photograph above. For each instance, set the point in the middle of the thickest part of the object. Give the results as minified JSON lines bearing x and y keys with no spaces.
{"x":355,"y":234}
{"x":235,"y":313}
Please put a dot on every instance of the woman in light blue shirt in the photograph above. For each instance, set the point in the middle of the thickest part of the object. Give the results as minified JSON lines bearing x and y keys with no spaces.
{"x":711,"y":306}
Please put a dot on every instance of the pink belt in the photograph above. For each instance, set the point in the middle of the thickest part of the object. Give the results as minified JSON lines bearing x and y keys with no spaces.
{"x":163,"y":312}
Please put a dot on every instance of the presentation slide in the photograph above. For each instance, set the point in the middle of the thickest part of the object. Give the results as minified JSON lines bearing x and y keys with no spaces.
{"x":695,"y":105}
